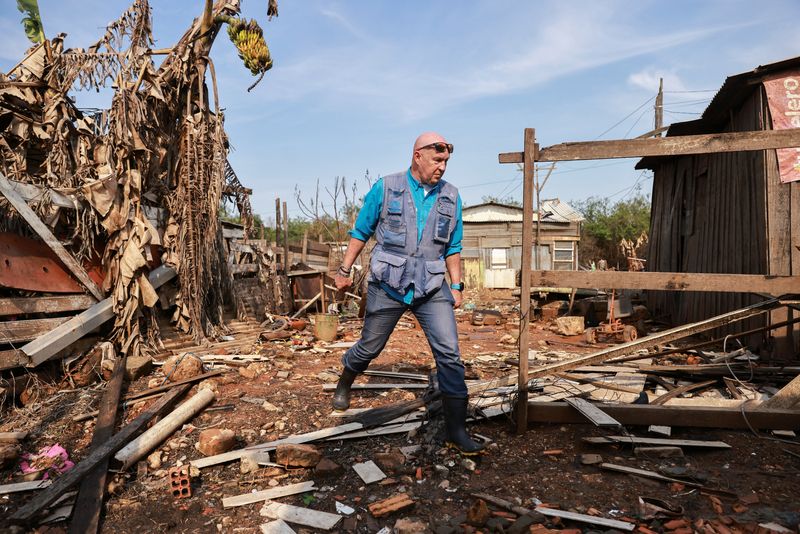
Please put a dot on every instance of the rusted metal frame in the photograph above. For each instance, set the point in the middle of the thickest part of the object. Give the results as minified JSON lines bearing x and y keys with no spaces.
{"x":664,"y":146}
{"x":525,"y":290}
{"x":97,"y":455}
{"x":47,"y":236}
{"x":661,"y":281}
{"x":90,"y":495}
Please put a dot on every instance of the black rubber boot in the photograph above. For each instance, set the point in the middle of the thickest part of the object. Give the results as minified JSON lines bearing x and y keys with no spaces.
{"x":455,"y":420}
{"x":341,"y":398}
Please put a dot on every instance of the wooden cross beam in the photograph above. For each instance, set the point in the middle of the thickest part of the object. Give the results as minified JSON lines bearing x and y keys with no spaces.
{"x":664,"y":146}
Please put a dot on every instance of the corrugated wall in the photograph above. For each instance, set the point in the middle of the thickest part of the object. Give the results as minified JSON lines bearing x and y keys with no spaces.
{"x":709,"y":215}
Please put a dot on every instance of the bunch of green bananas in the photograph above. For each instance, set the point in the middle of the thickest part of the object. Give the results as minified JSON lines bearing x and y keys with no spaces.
{"x":249,"y":41}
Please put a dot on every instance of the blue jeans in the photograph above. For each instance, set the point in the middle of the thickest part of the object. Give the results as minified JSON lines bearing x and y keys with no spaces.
{"x":435,"y":315}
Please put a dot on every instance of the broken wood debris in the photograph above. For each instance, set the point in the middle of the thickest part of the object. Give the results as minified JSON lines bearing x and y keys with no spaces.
{"x":300,"y":516}
{"x":95,"y":456}
{"x":634,"y":440}
{"x":552,"y":512}
{"x":657,"y":476}
{"x":267,"y":494}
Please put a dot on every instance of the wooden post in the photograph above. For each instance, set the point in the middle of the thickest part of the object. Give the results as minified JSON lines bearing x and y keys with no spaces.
{"x":285,"y":238}
{"x":322,"y":291}
{"x":278,"y":232}
{"x":304,"y":257}
{"x":529,"y":159}
{"x":47,"y":236}
{"x":659,"y":120}
{"x":90,"y":495}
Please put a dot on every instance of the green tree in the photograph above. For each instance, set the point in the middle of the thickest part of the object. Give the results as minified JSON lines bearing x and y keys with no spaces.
{"x":606,"y":224}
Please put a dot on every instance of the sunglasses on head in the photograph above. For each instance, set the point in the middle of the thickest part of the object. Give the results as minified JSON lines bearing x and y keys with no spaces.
{"x":440,"y":147}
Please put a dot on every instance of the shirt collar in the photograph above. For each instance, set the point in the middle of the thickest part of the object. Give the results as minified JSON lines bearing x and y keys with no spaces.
{"x":417,"y":184}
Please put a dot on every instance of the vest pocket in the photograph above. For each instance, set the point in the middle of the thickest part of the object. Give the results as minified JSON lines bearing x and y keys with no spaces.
{"x":388,"y":268}
{"x":394,"y":236}
{"x":434,"y":275}
{"x":445,"y":211}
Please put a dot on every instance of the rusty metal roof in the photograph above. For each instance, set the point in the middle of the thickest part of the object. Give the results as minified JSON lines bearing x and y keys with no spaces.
{"x":553,"y":210}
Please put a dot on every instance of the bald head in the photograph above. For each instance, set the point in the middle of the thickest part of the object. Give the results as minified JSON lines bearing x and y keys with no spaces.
{"x":428,"y":138}
{"x":428,"y":164}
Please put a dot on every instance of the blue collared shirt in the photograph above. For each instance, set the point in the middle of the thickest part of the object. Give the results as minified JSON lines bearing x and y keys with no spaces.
{"x":370,"y":214}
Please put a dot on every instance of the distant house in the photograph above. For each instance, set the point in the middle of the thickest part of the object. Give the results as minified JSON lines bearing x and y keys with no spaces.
{"x":736,"y":212}
{"x":492,"y":245}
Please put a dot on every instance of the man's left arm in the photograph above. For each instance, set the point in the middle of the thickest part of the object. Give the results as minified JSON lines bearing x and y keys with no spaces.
{"x":453,"y":255}
{"x":453,"y":263}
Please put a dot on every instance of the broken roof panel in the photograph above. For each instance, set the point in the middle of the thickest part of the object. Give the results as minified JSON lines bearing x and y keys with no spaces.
{"x":553,"y":210}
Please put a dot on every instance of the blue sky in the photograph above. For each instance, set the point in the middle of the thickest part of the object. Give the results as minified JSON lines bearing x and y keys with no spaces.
{"x":354,"y":82}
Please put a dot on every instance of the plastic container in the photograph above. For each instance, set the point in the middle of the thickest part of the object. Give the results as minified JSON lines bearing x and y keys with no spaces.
{"x":326,"y":326}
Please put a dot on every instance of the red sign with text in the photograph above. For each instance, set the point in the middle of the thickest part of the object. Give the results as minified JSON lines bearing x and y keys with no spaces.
{"x":783,"y":95}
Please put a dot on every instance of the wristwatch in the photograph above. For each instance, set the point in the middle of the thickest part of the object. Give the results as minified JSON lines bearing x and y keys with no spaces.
{"x":459,"y":286}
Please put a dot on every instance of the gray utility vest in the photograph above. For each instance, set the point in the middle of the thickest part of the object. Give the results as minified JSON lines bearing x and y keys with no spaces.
{"x":398,"y":260}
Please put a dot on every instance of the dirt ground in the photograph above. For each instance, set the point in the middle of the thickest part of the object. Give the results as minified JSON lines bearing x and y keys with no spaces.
{"x":541,"y":467}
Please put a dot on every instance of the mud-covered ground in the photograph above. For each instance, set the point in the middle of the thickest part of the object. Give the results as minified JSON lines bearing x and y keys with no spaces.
{"x":756,"y":480}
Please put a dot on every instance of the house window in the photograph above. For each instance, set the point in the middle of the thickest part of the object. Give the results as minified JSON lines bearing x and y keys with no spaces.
{"x":499,"y":258}
{"x":563,"y":255}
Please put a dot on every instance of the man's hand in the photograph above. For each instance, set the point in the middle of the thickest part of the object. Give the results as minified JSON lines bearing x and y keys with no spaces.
{"x":457,"y":297}
{"x":342,"y":282}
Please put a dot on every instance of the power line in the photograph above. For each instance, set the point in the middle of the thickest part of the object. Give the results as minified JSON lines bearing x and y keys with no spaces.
{"x":626,"y":117}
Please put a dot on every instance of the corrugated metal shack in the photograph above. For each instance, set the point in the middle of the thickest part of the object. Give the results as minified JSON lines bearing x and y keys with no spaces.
{"x":727,"y":212}
{"x":492,"y":252}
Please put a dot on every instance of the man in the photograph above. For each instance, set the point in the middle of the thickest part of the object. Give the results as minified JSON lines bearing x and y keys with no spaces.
{"x":415,"y":217}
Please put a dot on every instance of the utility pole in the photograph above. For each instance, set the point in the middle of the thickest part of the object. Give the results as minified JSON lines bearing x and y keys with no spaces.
{"x":659,"y":107}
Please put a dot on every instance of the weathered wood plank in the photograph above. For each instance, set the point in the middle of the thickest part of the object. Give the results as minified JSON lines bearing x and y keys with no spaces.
{"x":331,"y":387}
{"x":59,"y":304}
{"x":301,"y":516}
{"x":594,"y":414}
{"x":90,"y":495}
{"x":264,"y":495}
{"x":97,"y":455}
{"x":674,"y":416}
{"x":553,"y":512}
{"x":664,"y":146}
{"x":656,"y":476}
{"x":47,"y":345}
{"x":730,"y":283}
{"x":529,"y":161}
{"x":12,"y":358}
{"x":47,"y":236}
{"x":636,"y":440}
{"x":25,"y":330}
{"x":24,"y":486}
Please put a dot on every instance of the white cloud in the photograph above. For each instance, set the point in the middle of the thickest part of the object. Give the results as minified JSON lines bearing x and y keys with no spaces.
{"x":403,"y":78}
{"x":649,"y":77}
